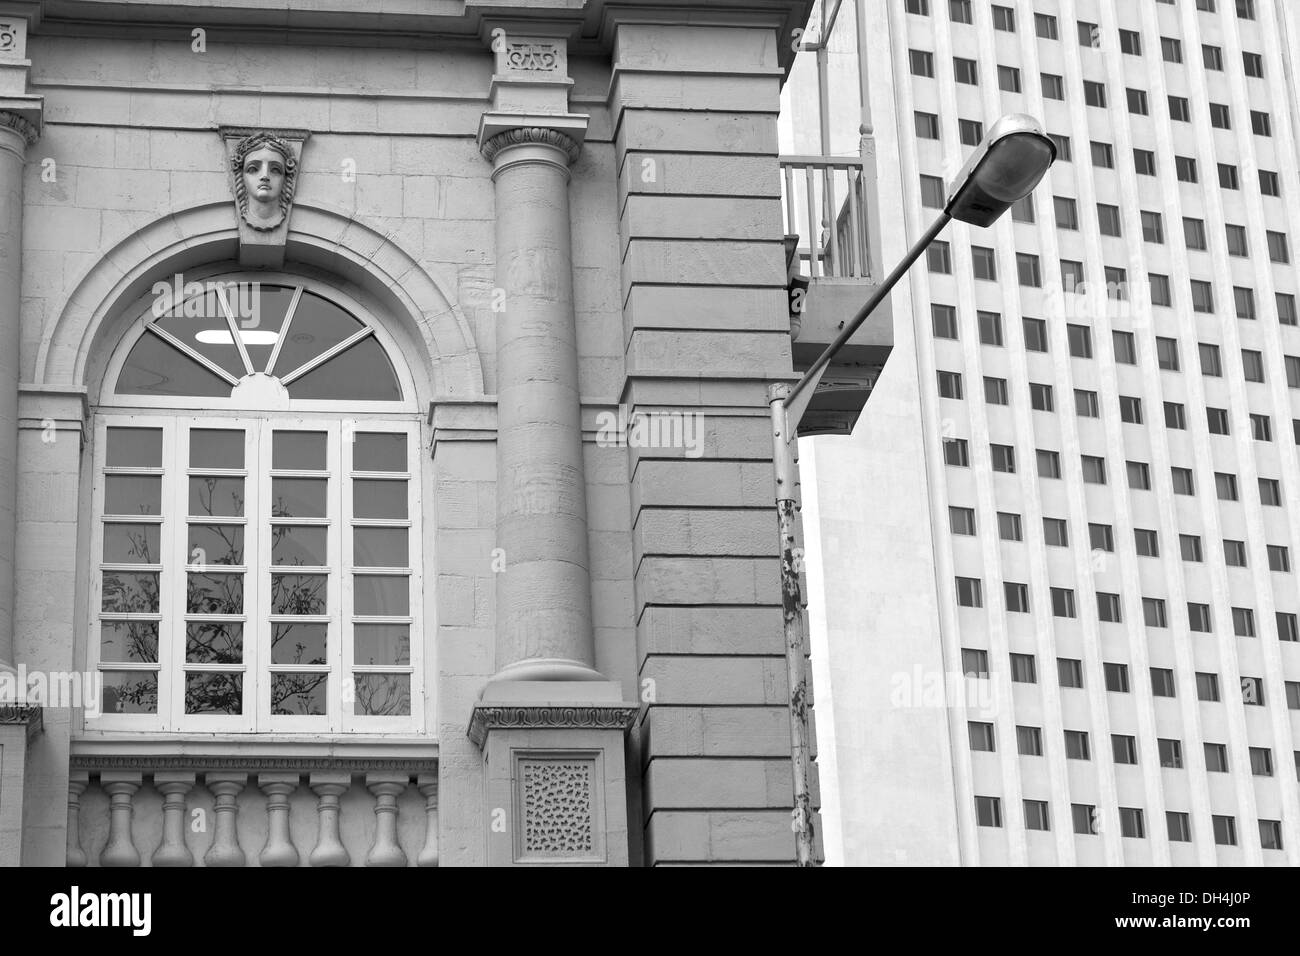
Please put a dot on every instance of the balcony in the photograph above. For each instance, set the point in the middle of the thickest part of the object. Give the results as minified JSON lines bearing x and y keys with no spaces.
{"x":197,"y":806}
{"x":831,"y":257}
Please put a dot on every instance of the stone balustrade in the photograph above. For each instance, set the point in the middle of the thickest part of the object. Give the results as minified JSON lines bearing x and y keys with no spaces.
{"x":263,"y":813}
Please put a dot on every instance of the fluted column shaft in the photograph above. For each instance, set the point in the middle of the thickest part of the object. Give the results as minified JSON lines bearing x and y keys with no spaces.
{"x":544,"y":595}
{"x":15,"y":136}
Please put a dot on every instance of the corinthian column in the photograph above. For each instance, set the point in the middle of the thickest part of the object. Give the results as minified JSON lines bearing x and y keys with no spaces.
{"x":544,"y":595}
{"x":16,"y":134}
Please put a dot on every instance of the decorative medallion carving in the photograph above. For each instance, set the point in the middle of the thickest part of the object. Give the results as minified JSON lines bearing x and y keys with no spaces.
{"x":616,"y":717}
{"x":531,"y":134}
{"x":533,"y":57}
{"x":265,"y":170}
{"x":557,"y":797}
{"x":11,"y":40}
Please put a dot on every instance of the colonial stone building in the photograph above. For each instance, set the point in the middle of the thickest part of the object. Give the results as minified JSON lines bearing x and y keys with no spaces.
{"x":385,"y":464}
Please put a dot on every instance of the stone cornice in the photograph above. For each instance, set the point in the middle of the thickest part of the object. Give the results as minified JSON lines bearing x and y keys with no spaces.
{"x":610,"y":717}
{"x":531,"y":135}
{"x":252,"y":764}
{"x":23,"y":714}
{"x":19,"y":125}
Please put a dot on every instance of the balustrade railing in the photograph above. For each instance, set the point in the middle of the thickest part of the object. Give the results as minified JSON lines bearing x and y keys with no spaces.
{"x":826,"y":207}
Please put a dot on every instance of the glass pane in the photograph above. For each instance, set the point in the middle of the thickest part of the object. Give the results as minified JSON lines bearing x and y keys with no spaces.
{"x":216,"y":448}
{"x":298,"y":497}
{"x":298,"y":451}
{"x":294,"y":544}
{"x":382,"y":643}
{"x":130,"y":592}
{"x":318,"y":326}
{"x":215,"y":593}
{"x":383,"y":695}
{"x":259,"y":313}
{"x":132,"y":495}
{"x":381,"y":547}
{"x":155,"y":368}
{"x":379,"y":499}
{"x":380,"y":594}
{"x":373,"y":451}
{"x":298,"y":643}
{"x":214,"y":642}
{"x":217,"y":497}
{"x":298,"y":593}
{"x":216,"y":544}
{"x":214,"y":693}
{"x":298,"y":694}
{"x":200,"y":323}
{"x":362,"y":373}
{"x":128,"y":641}
{"x":132,"y":543}
{"x":134,"y":448}
{"x":129,"y":692}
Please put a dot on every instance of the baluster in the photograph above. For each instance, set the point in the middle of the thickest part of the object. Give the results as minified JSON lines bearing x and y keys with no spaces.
{"x":386,"y":787}
{"x":173,"y":785}
{"x":78,"y":781}
{"x":225,"y":850}
{"x":329,"y":850}
{"x":831,"y":210}
{"x":791,"y":206}
{"x":814,"y":235}
{"x":120,"y":787}
{"x":279,"y":849}
{"x":428,"y":785}
{"x":855,"y":256}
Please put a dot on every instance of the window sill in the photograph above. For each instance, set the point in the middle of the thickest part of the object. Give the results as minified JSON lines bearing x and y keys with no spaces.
{"x":153,"y":750}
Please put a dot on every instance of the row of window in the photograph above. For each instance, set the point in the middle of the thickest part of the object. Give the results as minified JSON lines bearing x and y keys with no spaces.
{"x":1085,"y":820}
{"x":1045,"y":25}
{"x":1069,"y":672}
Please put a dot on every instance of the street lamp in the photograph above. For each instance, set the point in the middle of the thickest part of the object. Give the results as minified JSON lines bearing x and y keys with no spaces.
{"x":1005,"y":168}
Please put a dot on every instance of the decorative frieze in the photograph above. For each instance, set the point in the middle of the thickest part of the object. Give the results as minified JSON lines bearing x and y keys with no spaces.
{"x":616,"y":717}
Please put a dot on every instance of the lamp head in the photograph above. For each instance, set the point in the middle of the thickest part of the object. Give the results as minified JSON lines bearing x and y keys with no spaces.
{"x":1006,"y":166}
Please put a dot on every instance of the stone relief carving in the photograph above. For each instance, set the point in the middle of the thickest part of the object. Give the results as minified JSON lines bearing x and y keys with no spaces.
{"x":611,"y":717}
{"x":9,"y":39}
{"x":265,"y":172}
{"x":533,"y":57}
{"x":557,"y":808}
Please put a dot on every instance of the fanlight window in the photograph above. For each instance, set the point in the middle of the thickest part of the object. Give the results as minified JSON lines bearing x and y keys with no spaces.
{"x":204,"y":344}
{"x":259,"y":572}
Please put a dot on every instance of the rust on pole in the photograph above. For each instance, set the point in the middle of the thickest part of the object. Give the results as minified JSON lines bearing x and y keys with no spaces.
{"x":783,"y":459}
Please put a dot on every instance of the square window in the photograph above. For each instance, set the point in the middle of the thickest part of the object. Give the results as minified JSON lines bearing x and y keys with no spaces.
{"x":1183,"y":480}
{"x":1004,"y":458}
{"x":1035,"y":335}
{"x":1053,"y":86}
{"x":1210,"y":363}
{"x":1286,"y":310}
{"x":1101,"y":537}
{"x":1179,"y":826}
{"x":1040,"y":398}
{"x":1131,"y":823}
{"x":1023,"y":670}
{"x":1063,"y":603}
{"x":921,"y":62}
{"x":1153,"y":612}
{"x":1076,"y":745}
{"x":1153,"y":229}
{"x":1069,"y":671}
{"x":965,"y":71}
{"x":1246,"y":9}
{"x":1228,"y":177}
{"x":1225,"y":486}
{"x":943,"y":319}
{"x":990,"y":325}
{"x":1116,"y":678}
{"x":1270,"y":834}
{"x":1225,"y":830}
{"x":975,"y":663}
{"x":1243,"y":301}
{"x":961,"y":520}
{"x":1261,"y":762}
{"x":988,"y":811}
{"x":1036,"y":815}
{"x":1004,"y":19}
{"x":1071,"y":274}
{"x":1084,"y":818}
{"x":1125,"y":347}
{"x":1017,"y":597}
{"x":984,"y":262}
{"x":949,"y":384}
{"x":1022,"y":210}
{"x":1234,"y":553}
{"x":1252,"y":365}
{"x":1212,"y":56}
{"x":919,"y":7}
{"x":1261,"y":427}
{"x":1185,"y":169}
{"x":1009,"y":526}
{"x":1029,"y":741}
{"x":1288,"y":627}
{"x":995,"y":390}
{"x":1171,"y":50}
{"x":971,"y":132}
{"x":1159,"y":289}
{"x":1194,"y":233}
{"x":1094,"y":470}
{"x":1086,"y":404}
{"x":1253,"y":64}
{"x":1027,"y":270}
{"x":1190,"y":547}
{"x":1207,"y":687}
{"x":1216,"y":758}
{"x":1220,"y":116}
{"x":955,"y":452}
{"x":1062,"y":143}
{"x":1130,"y":410}
{"x":1045,"y":26}
{"x":1056,"y":533}
{"x":969,"y":593}
{"x":1137,"y":101}
{"x":1089,"y":34}
{"x":1094,"y":93}
{"x":1202,"y":296}
{"x":1108,"y":608}
{"x":939,"y":257}
{"x":932,"y":192}
{"x":1139,"y":475}
{"x":1261,"y":124}
{"x":1171,"y":752}
{"x":1080,"y":339}
{"x":1176,"y":417}
{"x":981,"y":735}
{"x":1293,"y":695}
{"x":1269,"y":184}
{"x":959,"y":11}
{"x":1108,"y":219}
{"x":1049,"y":464}
{"x":1066,"y":211}
{"x":1278,"y":250}
{"x":1162,"y":683}
{"x":1130,"y":42}
{"x":1237,"y":245}
{"x":1270,"y":492}
{"x":1124,"y":748}
{"x":927,"y":125}
{"x":1279,"y":558}
{"x":1008,"y":79}
{"x":1243,"y":622}
{"x":1180,"y":108}
{"x":1147,"y":542}
{"x":1103,"y":155}
{"x":1217,"y":418}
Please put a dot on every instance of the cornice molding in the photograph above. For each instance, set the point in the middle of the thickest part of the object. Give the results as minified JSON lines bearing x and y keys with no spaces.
{"x":531,"y":135}
{"x":488,"y":718}
{"x":252,"y":764}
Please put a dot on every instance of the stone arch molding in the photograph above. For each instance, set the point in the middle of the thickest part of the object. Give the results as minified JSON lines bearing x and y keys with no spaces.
{"x":74,"y":350}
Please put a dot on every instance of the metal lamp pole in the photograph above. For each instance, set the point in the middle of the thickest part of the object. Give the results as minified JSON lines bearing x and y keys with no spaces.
{"x":1003,"y":169}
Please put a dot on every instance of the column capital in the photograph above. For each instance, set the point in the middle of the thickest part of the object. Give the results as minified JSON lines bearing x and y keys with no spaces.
{"x":563,"y":133}
{"x":24,"y":124}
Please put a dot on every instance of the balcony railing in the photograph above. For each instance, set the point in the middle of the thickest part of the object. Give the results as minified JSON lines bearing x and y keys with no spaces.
{"x":826,"y":207}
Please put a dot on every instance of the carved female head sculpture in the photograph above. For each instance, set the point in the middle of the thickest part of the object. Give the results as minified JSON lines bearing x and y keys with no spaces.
{"x":265,"y":172}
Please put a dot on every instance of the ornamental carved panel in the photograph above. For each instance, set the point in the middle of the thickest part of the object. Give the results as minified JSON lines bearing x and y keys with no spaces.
{"x":558,"y":798}
{"x":12,"y":39}
{"x":532,"y":57}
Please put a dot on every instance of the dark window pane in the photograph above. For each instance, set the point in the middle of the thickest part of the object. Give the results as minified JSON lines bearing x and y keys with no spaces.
{"x":200,"y":323}
{"x":379,"y":499}
{"x":303,"y":545}
{"x":382,"y":643}
{"x":298,"y":643}
{"x":216,"y":448}
{"x":383,"y":695}
{"x":298,"y":497}
{"x":129,"y":592}
{"x":298,"y":451}
{"x":299,"y":593}
{"x":129,"y":692}
{"x":217,"y":497}
{"x":299,"y":694}
{"x":214,"y":693}
{"x":132,"y":544}
{"x":214,"y":642}
{"x":381,"y":547}
{"x":379,"y":452}
{"x":362,"y":373}
{"x":132,"y":495}
{"x":128,"y":641}
{"x":318,"y":326}
{"x":215,"y":593}
{"x":216,"y":544}
{"x":381,"y":594}
{"x":134,"y":448}
{"x":155,"y":368}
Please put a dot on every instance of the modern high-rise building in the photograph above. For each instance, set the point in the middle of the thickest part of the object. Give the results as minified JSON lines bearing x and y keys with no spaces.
{"x":1052,"y":572}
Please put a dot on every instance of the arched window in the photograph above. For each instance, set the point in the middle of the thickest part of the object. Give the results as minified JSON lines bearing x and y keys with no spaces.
{"x":256,"y":543}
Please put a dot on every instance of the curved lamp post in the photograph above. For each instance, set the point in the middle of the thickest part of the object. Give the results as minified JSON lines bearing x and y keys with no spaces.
{"x":1005,"y":168}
